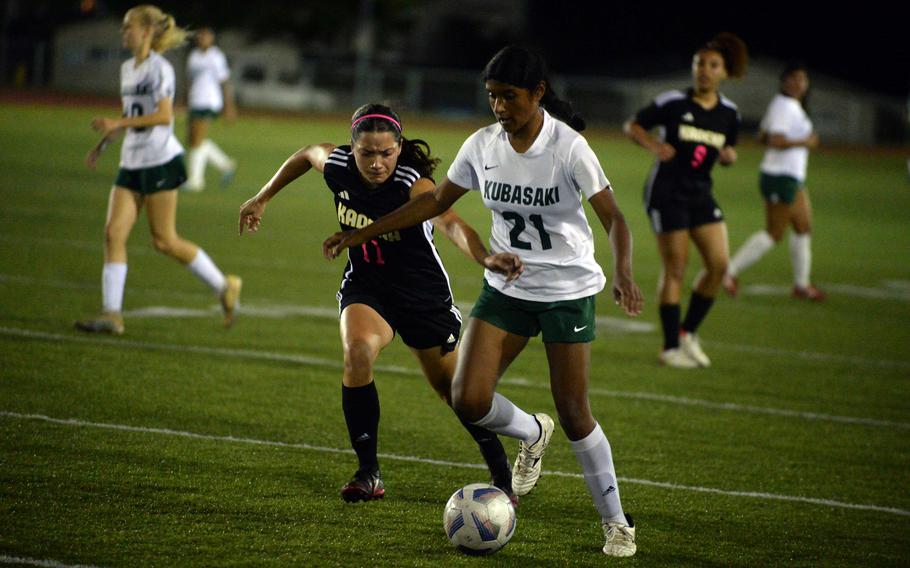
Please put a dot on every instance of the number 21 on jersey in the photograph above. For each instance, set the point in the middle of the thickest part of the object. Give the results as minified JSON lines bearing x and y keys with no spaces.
{"x":518,"y":227}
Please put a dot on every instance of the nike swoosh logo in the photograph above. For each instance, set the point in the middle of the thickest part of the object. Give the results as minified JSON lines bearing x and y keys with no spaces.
{"x":490,"y":167}
{"x":577,"y":329}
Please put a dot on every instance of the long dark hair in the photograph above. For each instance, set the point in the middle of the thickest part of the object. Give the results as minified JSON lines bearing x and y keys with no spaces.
{"x":375,"y":117}
{"x":519,"y":66}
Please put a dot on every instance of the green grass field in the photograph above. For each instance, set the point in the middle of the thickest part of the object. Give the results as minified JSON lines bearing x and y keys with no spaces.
{"x":181,"y":443}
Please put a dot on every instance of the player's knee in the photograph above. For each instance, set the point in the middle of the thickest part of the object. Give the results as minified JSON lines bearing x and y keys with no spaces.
{"x":114,"y":234}
{"x":674,"y":272}
{"x":358,"y":357}
{"x":472,"y":406}
{"x":717,"y":267}
{"x":575,"y":418}
{"x":777,"y":233}
{"x":164,"y":245}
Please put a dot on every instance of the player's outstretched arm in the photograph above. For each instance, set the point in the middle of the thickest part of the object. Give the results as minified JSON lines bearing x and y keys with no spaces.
{"x":468,"y":241}
{"x":313,"y":156}
{"x":420,"y":208}
{"x":625,"y":291}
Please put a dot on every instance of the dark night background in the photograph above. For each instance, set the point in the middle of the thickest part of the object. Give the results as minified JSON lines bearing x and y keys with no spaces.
{"x":867,"y":46}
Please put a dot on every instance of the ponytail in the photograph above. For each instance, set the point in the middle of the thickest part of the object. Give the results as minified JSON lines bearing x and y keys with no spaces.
{"x":416,"y":154}
{"x":562,"y":110}
{"x":165,"y":32}
{"x":522,"y":67}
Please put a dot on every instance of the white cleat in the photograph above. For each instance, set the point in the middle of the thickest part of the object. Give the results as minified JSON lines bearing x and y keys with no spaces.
{"x":676,"y":358}
{"x":526,"y":470}
{"x":105,"y":322}
{"x":230,"y":298}
{"x":620,"y":538}
{"x":689,"y":344}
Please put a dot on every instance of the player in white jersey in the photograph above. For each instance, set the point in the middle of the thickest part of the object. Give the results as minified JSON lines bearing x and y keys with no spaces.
{"x":532,"y":171}
{"x":787,"y":130}
{"x":151,"y":169}
{"x":209,"y":95}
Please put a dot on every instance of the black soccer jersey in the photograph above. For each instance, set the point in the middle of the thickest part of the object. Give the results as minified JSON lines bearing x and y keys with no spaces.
{"x":698,"y":135}
{"x":403,"y":267}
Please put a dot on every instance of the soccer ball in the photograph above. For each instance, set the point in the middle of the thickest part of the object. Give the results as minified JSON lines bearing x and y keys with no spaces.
{"x":479,"y":519}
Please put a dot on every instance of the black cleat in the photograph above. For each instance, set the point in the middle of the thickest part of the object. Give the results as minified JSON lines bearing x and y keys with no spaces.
{"x":364,"y":486}
{"x":505,"y":485}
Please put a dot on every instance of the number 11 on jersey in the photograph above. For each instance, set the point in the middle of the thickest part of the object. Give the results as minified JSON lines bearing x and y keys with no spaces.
{"x":366,"y":252}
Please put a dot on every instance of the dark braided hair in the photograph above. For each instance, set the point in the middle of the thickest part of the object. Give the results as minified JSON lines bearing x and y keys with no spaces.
{"x":381,"y":118}
{"x":524,"y":68}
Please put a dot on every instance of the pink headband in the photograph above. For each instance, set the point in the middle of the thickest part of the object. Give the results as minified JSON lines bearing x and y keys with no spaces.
{"x":366,"y":116}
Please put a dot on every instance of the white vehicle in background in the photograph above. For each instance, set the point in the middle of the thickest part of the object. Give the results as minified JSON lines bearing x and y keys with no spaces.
{"x":270,"y":75}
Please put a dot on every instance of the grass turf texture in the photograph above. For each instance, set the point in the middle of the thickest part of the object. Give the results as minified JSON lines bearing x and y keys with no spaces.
{"x":87,"y":494}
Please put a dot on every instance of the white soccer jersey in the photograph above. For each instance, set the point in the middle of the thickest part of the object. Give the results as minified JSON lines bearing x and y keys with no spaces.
{"x":206,"y":71}
{"x":785,"y":115}
{"x":537,"y":210}
{"x":141,"y":88}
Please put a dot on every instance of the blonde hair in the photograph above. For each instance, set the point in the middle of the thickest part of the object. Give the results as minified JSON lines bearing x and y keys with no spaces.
{"x":166,"y":34}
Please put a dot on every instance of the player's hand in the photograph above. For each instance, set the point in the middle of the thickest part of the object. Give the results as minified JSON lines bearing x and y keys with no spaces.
{"x":505,"y":263}
{"x":251,"y":215}
{"x":335,"y":245}
{"x":105,"y":125}
{"x":727,"y":156}
{"x":92,"y":158}
{"x":812,"y":141}
{"x":627,"y":295}
{"x":664,"y":152}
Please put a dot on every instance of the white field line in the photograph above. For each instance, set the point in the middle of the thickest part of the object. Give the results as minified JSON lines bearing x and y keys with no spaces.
{"x":47,"y":563}
{"x":604,"y":323}
{"x":518,"y":381}
{"x":888,"y":291}
{"x":443,"y":463}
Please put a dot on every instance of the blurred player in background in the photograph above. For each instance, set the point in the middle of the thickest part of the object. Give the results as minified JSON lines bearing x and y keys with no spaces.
{"x":533,"y":170}
{"x":787,"y":131}
{"x":209,"y":94}
{"x":699,"y":126}
{"x":151,"y":168}
{"x":395,"y":283}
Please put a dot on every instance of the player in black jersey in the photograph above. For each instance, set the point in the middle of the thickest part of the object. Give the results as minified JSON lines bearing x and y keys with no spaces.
{"x":395,"y":283}
{"x":700,"y":126}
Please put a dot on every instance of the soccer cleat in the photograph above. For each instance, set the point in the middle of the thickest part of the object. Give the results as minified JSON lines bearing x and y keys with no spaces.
{"x":676,"y":358}
{"x":689,"y":344}
{"x":620,"y":538}
{"x":526,"y":470}
{"x":105,"y":322}
{"x":506,"y":487}
{"x":192,"y":187}
{"x":230,"y":298}
{"x":731,"y":285}
{"x":810,"y":293}
{"x":227,"y":176}
{"x":364,"y":486}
